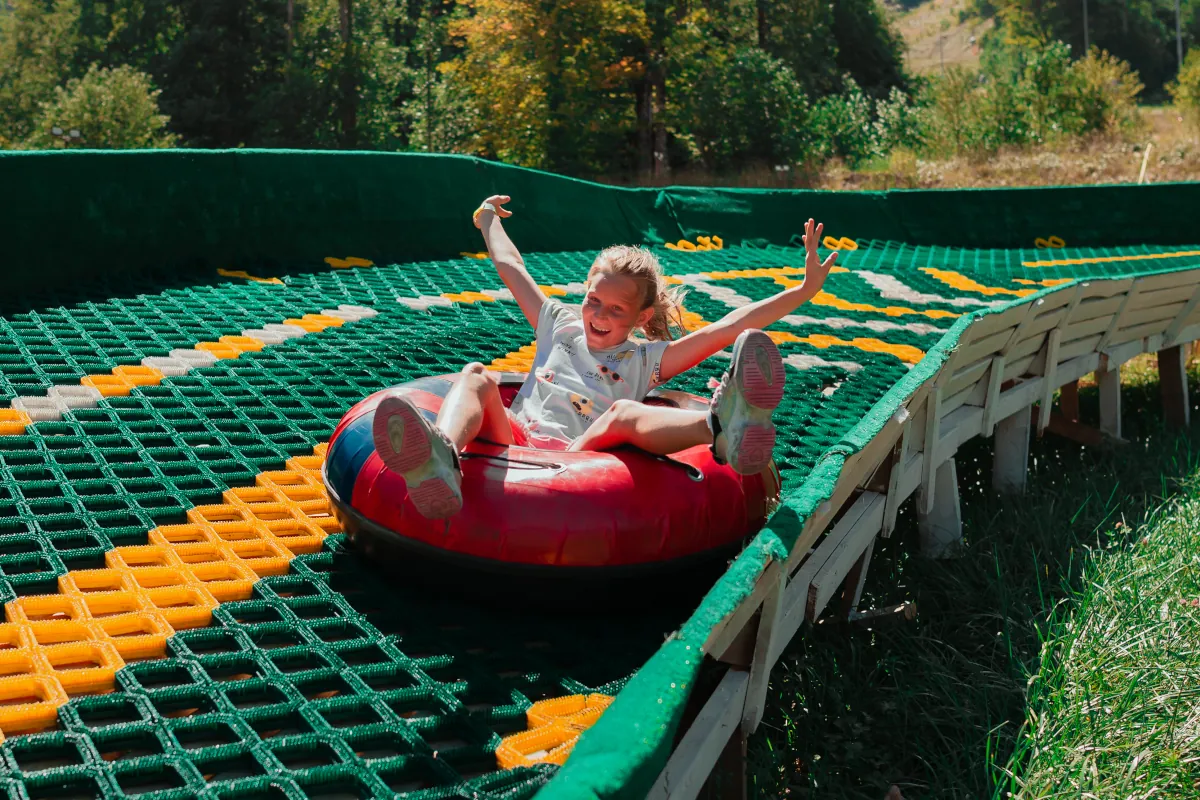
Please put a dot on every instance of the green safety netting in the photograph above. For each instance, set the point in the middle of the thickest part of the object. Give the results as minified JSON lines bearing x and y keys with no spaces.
{"x":333,"y":680}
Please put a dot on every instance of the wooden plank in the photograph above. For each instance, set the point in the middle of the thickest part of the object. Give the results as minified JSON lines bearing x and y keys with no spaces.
{"x":894,"y":496}
{"x":1068,"y":400}
{"x":967,"y":376}
{"x":1099,"y":308}
{"x":1142,"y":316}
{"x":1010,"y":453}
{"x":726,"y":631}
{"x":1172,"y":382}
{"x":932,"y":423}
{"x":1026,"y":347}
{"x":1049,"y":385}
{"x":1185,"y":314}
{"x":940,"y":526}
{"x":1109,"y":381}
{"x":698,"y":750}
{"x":845,"y":544}
{"x":995,"y":381}
{"x":1086,"y":328}
{"x":1019,"y":397}
{"x":1115,"y":325}
{"x":1162,"y":297}
{"x":1018,"y":368}
{"x":1167,"y":280}
{"x":855,"y":582}
{"x":986,"y":347}
{"x":1140,"y":332}
{"x":1078,"y":348}
{"x":760,"y":667}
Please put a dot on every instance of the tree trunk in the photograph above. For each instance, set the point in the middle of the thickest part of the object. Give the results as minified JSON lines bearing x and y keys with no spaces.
{"x":662,"y":169}
{"x":347,"y":85}
{"x":763,"y":30}
{"x":644,"y":97}
{"x":290,"y":22}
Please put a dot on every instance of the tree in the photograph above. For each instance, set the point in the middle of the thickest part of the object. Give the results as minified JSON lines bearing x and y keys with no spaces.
{"x":552,"y":81}
{"x":111,"y":108}
{"x":38,"y":45}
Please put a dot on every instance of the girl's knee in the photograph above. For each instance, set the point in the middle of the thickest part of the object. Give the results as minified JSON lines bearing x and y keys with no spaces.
{"x":477,"y":378}
{"x":621,"y":416}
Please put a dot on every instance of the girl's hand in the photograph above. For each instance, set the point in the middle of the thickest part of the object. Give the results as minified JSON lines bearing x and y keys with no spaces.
{"x":495,"y":200}
{"x":814,"y":270}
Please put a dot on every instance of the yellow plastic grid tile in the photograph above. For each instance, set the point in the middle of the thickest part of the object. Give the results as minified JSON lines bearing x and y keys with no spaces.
{"x":56,"y":646}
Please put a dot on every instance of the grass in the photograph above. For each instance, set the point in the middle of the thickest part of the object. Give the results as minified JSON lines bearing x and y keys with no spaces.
{"x":1174,"y":156}
{"x":1058,"y":658}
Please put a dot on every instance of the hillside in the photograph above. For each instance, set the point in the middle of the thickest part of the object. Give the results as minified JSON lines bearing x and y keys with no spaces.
{"x":934,"y":35}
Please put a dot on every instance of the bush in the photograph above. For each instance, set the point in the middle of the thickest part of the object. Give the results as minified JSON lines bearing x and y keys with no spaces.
{"x":842,"y":125}
{"x":747,"y":106}
{"x":111,"y":108}
{"x":1185,"y":89}
{"x":1026,"y":96}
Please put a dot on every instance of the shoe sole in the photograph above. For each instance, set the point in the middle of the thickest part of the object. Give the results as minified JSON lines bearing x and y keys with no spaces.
{"x":760,"y":377}
{"x":403,"y":443}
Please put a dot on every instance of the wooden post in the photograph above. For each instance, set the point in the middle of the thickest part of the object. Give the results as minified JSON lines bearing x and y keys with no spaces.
{"x":1172,"y":380}
{"x":728,"y":778}
{"x":1010,"y":460}
{"x":1068,"y":400}
{"x":940,"y":524}
{"x":1109,"y":381}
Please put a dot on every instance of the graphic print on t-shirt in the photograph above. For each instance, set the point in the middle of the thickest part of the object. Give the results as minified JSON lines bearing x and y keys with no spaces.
{"x":570,"y":386}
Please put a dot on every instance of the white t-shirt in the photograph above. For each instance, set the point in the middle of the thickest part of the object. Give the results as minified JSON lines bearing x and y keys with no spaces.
{"x":570,"y":386}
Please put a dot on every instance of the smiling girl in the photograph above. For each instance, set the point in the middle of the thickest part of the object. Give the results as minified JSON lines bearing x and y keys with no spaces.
{"x":589,"y":377}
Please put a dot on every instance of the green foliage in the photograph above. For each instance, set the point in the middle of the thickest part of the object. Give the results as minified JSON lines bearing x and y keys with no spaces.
{"x":1024,"y":96}
{"x":1141,"y":32}
{"x":1185,"y":89}
{"x":744,"y":107}
{"x":38,"y":43}
{"x":111,"y":108}
{"x":842,"y":125}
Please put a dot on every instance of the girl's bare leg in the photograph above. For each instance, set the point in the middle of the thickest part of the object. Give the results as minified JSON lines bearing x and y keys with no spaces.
{"x":473,"y":408}
{"x":656,"y":429}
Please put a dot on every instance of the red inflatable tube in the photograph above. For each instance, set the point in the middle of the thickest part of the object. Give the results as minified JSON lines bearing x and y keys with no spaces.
{"x":537,"y":510}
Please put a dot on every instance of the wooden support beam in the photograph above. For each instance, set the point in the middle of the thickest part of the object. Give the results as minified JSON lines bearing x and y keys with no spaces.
{"x":933,"y":419}
{"x":1108,"y":379}
{"x":704,"y":743}
{"x":728,"y":778}
{"x":1068,"y":400}
{"x":1073,"y":430}
{"x":760,"y":666}
{"x":852,"y":587}
{"x":940,"y":523}
{"x":1010,"y":459}
{"x":1048,"y":371}
{"x":1172,"y":381}
{"x":1181,"y":318}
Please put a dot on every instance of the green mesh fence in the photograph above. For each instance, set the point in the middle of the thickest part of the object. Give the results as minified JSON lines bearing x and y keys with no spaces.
{"x":333,"y":680}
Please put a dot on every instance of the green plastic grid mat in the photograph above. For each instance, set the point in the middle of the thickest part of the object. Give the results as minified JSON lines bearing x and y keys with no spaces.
{"x":329,"y":681}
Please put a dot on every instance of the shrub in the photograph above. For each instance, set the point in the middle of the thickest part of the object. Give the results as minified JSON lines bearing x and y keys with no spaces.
{"x":111,"y":108}
{"x":841,"y":125}
{"x":1185,"y":89}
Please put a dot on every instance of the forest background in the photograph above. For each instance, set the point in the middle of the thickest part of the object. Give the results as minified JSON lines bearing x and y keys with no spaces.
{"x":743,"y":92}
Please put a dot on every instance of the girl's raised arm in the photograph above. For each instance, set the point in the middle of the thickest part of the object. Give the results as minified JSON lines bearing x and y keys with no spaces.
{"x":685,"y":353}
{"x":508,"y":262}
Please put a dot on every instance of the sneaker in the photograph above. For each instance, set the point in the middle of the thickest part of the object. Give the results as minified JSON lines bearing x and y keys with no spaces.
{"x":744,"y":401}
{"x":421,"y":453}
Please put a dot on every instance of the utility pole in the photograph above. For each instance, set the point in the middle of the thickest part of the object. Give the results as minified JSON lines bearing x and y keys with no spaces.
{"x":1086,"y":44}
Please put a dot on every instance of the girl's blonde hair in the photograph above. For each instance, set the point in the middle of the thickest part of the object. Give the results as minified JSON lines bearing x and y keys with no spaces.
{"x":641,"y":265}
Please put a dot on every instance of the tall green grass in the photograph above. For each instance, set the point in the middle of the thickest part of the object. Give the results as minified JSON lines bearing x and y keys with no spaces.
{"x":1042,"y":663}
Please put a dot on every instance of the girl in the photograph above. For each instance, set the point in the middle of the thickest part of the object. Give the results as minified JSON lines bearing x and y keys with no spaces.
{"x":589,"y":377}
